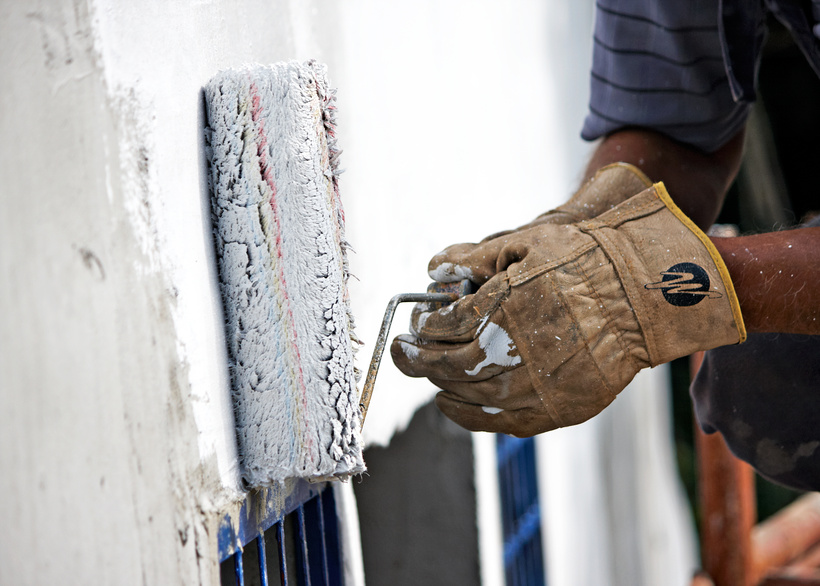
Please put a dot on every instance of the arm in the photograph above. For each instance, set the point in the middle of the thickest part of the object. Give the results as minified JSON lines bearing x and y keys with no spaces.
{"x":777,"y":279}
{"x":697,"y":181}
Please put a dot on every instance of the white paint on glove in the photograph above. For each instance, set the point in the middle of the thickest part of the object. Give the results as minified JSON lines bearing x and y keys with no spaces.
{"x":497,"y":346}
{"x":448,"y":272}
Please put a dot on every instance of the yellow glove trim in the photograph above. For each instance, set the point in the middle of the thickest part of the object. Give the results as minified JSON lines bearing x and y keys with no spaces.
{"x":664,"y":196}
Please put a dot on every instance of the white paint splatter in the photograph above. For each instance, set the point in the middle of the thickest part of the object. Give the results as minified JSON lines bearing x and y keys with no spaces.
{"x":421,"y":320}
{"x":497,"y":346}
{"x":448,"y":272}
{"x":410,"y":350}
{"x":491,"y":410}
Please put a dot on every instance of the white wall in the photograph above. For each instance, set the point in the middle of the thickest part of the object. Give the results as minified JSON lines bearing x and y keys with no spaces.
{"x":116,"y":447}
{"x":444,"y":110}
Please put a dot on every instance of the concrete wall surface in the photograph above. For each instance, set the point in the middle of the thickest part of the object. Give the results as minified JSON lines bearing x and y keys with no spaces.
{"x":116,"y":449}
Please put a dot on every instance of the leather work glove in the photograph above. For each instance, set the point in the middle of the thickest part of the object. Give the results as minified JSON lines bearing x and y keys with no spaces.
{"x":574,"y":313}
{"x":607,"y":188}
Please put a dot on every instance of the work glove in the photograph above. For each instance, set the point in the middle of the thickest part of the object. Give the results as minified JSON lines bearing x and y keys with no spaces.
{"x":573,"y":314}
{"x":607,"y":188}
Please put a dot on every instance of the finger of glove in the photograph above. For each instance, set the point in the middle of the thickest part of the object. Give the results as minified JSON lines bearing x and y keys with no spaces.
{"x":476,"y":262}
{"x":520,"y":423}
{"x":460,"y":320}
{"x":453,"y":362}
{"x":445,"y":326}
{"x":479,"y":262}
{"x":510,"y":389}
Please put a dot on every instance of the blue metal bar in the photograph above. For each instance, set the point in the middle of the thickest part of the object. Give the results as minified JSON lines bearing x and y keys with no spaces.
{"x":263,"y":562}
{"x":518,"y":481}
{"x":508,"y":446}
{"x":240,"y":572}
{"x":301,"y":536}
{"x":518,"y":484}
{"x":505,"y":484}
{"x":331,"y":537}
{"x":323,"y":539}
{"x":283,"y":564}
{"x":529,"y":527}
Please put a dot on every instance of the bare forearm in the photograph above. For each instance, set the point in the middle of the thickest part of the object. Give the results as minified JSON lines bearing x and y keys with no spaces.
{"x":697,"y":181}
{"x":777,"y":279}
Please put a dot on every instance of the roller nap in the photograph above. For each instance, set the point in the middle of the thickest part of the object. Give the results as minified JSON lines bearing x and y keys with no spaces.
{"x":279,"y":229}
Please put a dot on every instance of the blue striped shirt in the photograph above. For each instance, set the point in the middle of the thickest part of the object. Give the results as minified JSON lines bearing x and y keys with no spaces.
{"x":685,"y":68}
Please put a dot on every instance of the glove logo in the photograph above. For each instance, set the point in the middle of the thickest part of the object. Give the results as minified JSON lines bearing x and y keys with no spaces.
{"x":684,"y":284}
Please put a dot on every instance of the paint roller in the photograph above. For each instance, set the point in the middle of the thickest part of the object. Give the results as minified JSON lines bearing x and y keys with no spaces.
{"x":283,"y":271}
{"x":282,"y":255}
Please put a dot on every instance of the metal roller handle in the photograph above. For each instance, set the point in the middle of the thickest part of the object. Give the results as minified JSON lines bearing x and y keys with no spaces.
{"x":437,"y":293}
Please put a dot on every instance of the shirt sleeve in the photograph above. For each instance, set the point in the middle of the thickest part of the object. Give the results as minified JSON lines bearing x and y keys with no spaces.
{"x":659,"y":64}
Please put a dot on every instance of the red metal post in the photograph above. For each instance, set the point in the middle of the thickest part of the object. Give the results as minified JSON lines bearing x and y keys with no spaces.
{"x":727,"y":497}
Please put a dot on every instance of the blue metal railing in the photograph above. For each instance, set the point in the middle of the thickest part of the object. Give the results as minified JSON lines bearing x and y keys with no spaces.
{"x":520,"y":512}
{"x":298,"y":546}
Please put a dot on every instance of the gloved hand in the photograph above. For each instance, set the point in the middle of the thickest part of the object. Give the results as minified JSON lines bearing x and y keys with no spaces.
{"x":607,"y":188}
{"x":573,"y":314}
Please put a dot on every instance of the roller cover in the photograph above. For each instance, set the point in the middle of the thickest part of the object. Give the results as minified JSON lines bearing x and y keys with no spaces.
{"x":281,"y":250}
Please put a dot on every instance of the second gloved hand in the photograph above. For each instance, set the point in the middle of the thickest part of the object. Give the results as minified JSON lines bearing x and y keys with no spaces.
{"x":573,"y":314}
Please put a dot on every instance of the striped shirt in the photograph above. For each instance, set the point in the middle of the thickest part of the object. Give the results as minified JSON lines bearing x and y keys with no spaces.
{"x":685,"y":68}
